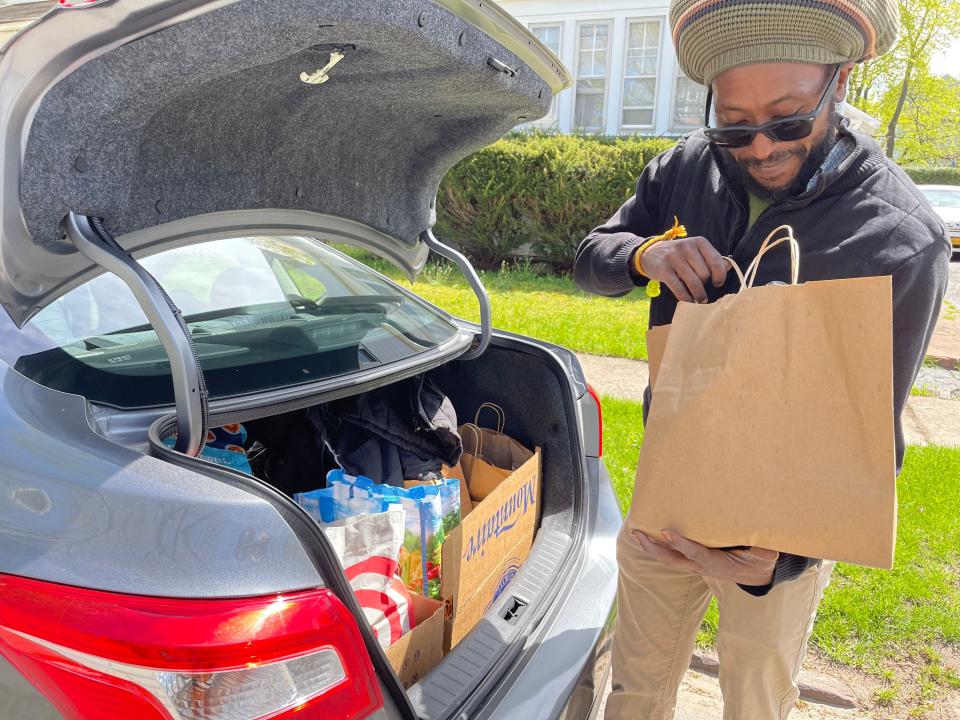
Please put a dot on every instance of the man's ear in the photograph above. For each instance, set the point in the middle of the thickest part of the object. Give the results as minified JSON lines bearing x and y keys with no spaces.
{"x":842,"y":81}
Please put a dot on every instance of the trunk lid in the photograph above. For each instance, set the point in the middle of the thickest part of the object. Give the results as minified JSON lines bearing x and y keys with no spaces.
{"x":204,"y":114}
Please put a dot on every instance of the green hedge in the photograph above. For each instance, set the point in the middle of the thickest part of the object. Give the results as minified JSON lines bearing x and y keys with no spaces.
{"x":933,"y":175}
{"x":540,"y":194}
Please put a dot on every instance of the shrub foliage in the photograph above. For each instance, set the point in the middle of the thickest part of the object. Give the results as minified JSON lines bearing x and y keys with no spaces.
{"x":539,"y":194}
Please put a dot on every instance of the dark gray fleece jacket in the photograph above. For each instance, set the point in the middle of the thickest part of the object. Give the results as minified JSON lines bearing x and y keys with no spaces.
{"x":860,"y":216}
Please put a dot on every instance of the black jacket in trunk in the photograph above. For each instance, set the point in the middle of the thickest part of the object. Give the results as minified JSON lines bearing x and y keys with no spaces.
{"x":860,"y":218}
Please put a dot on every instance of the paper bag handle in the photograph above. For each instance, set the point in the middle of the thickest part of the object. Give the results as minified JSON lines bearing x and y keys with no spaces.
{"x":478,"y":446}
{"x":748,"y":278}
{"x":501,"y":417}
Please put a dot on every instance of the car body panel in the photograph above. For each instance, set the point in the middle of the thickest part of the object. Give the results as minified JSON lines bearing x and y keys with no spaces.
{"x":561,"y":655}
{"x":79,"y":510}
{"x":553,"y":669}
{"x":183,"y":108}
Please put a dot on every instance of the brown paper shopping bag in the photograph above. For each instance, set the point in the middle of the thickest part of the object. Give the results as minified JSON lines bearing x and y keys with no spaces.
{"x":489,"y":456}
{"x":656,"y":344}
{"x":771,"y":421}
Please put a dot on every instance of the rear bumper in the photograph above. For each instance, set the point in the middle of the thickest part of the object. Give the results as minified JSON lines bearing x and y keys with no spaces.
{"x":564,"y":661}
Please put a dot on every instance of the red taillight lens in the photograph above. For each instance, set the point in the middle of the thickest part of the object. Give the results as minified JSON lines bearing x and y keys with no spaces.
{"x":99,"y":655}
{"x":596,"y":399}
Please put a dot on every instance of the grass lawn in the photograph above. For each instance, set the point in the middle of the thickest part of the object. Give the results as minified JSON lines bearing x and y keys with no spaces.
{"x":871,"y":619}
{"x":545,"y":307}
{"x":902,"y":626}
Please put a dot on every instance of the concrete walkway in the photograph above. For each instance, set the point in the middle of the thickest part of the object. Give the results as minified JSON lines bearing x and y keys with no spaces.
{"x":699,"y":698}
{"x":944,"y":347}
{"x":926,"y":420}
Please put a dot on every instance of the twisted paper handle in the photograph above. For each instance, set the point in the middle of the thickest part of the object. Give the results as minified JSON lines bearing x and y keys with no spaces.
{"x":748,"y":278}
{"x":501,"y":416}
{"x":478,"y":445}
{"x":474,"y":427}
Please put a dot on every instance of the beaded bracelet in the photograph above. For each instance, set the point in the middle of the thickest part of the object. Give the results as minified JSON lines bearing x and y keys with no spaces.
{"x":677,"y":231}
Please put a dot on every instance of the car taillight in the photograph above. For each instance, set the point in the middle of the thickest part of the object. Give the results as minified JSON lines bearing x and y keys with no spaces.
{"x":97,"y":654}
{"x":596,"y":399}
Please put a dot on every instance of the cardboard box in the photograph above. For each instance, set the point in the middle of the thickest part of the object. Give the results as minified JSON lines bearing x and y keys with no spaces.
{"x":420,"y":650}
{"x":482,"y":555}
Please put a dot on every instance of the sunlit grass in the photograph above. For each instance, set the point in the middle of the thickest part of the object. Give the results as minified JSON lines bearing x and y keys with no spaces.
{"x":545,"y":307}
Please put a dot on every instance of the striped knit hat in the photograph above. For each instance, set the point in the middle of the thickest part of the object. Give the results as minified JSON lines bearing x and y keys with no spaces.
{"x":715,"y":35}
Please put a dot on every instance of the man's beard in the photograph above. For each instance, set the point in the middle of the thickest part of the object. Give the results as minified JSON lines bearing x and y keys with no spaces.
{"x":814,"y":158}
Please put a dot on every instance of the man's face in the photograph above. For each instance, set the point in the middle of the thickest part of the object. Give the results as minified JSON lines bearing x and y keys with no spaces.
{"x":755,"y":94}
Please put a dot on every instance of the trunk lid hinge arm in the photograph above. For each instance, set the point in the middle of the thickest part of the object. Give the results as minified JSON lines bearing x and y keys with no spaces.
{"x":460,"y":260}
{"x":92,"y":239}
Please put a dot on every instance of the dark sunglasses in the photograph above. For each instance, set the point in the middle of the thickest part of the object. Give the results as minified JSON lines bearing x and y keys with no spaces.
{"x":788,"y":129}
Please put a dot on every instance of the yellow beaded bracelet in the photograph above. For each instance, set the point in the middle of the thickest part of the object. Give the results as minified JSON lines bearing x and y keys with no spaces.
{"x":677,"y":231}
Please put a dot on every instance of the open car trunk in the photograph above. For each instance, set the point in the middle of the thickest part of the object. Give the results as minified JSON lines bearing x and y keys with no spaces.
{"x":200,"y":121}
{"x":539,"y":398}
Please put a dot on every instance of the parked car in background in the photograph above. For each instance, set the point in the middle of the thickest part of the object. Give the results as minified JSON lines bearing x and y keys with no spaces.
{"x":946,"y":201}
{"x":174,"y":175}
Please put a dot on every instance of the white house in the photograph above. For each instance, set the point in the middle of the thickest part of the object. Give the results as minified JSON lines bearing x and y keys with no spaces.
{"x":626,"y":75}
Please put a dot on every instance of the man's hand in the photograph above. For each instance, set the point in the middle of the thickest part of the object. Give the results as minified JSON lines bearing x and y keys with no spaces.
{"x":753,"y":566}
{"x":684,"y":265}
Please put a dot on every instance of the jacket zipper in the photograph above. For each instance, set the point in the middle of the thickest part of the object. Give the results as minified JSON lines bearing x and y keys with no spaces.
{"x":741,"y":211}
{"x":771,"y":210}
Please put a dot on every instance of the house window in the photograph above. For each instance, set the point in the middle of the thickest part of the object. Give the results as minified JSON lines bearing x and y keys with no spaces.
{"x":593,"y":41}
{"x":549,"y":35}
{"x":640,"y":73}
{"x":689,"y":102}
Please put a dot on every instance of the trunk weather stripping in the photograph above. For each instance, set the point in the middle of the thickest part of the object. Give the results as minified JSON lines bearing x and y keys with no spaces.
{"x":189,"y":390}
{"x":467,"y":269}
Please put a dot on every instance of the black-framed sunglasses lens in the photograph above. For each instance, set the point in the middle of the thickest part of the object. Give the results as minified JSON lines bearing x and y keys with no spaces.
{"x":787,"y":129}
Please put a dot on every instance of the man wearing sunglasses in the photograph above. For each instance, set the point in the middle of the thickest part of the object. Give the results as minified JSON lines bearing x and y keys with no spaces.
{"x":775,"y":151}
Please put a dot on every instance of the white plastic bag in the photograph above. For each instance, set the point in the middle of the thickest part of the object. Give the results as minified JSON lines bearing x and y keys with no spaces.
{"x":368,"y":547}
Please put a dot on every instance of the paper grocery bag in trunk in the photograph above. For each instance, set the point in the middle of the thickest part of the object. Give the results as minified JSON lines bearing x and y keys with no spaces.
{"x":771,"y":422}
{"x":489,"y":457}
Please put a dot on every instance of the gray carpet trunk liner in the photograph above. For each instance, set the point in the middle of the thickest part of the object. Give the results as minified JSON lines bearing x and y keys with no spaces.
{"x":211,"y":115}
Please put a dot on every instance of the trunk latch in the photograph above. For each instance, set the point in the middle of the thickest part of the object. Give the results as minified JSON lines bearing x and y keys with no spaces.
{"x":515,"y":608}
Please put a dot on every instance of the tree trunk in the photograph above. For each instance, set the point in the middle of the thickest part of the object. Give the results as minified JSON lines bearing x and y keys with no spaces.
{"x":860,"y":84}
{"x":892,"y":127}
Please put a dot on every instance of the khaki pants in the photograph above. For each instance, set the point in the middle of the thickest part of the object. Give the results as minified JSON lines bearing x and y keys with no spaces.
{"x":761,"y":641}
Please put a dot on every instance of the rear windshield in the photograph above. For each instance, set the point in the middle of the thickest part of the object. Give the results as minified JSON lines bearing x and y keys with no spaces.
{"x":264,"y":313}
